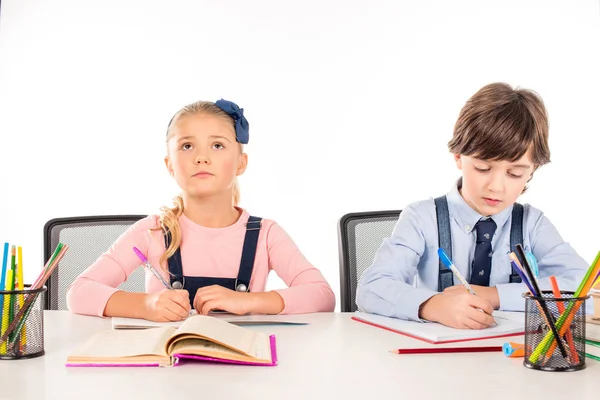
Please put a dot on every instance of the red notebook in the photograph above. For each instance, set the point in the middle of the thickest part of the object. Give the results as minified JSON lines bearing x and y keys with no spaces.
{"x":508,"y":324}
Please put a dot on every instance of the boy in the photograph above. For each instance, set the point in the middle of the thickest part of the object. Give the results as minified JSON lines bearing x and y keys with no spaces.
{"x":500,"y":139}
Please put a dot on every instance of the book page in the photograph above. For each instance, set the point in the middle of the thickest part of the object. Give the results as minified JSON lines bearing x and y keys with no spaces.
{"x":201,"y":347}
{"x":136,"y":323}
{"x":235,"y":337}
{"x":124,"y":343}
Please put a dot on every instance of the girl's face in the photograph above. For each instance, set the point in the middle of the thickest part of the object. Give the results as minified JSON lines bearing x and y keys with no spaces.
{"x":203,"y":155}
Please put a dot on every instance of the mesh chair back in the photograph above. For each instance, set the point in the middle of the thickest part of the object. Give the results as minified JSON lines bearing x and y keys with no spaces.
{"x":359,"y":237}
{"x":88,"y":238}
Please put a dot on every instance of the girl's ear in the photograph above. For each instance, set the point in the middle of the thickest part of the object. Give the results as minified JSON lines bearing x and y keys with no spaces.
{"x":169,"y":166}
{"x":242,"y":164}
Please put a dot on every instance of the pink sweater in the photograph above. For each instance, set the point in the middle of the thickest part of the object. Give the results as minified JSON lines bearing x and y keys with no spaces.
{"x":212,"y":252}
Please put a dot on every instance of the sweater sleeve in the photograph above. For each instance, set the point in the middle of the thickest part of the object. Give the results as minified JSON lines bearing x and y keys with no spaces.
{"x":307,"y":290}
{"x":90,"y":291}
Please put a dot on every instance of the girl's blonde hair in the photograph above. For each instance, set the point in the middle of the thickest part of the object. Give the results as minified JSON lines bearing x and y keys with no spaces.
{"x":169,"y":217}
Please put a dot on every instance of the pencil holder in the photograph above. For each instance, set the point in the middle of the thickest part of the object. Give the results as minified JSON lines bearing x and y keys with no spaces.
{"x":567,"y":313}
{"x":22,"y":323}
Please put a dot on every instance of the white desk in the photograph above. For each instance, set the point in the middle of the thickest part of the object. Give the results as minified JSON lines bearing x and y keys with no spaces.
{"x":333,"y":357}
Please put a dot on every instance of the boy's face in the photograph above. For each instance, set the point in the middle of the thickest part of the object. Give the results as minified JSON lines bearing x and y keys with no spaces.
{"x":491,"y":186}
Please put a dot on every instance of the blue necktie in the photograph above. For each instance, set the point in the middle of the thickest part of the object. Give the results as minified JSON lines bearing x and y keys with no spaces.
{"x":482,"y":261}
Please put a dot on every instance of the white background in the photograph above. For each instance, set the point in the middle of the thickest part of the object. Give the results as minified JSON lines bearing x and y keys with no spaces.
{"x":350,"y":103}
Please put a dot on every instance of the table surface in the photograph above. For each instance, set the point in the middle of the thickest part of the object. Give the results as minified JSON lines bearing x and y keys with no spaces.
{"x":332,"y":357}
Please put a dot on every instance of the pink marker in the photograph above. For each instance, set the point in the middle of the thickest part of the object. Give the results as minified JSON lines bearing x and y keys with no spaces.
{"x":147,"y":264}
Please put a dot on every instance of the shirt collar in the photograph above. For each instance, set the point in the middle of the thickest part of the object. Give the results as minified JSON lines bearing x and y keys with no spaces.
{"x":465,"y":216}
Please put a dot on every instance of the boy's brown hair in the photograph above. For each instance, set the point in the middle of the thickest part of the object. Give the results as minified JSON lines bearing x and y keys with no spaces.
{"x":499,"y":123}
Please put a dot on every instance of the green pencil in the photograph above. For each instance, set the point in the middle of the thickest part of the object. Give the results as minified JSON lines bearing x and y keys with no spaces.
{"x":544,"y":345}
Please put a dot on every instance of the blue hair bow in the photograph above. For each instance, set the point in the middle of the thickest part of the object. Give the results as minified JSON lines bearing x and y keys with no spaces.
{"x":242,"y":127}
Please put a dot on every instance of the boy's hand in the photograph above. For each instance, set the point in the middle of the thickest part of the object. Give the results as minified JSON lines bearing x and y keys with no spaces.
{"x":487,"y":292}
{"x":459,"y":310}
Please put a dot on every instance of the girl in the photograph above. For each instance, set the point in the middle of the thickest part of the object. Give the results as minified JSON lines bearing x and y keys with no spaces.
{"x":197,"y":245}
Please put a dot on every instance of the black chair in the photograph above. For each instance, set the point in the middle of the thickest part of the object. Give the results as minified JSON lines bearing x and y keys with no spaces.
{"x":359,"y":237}
{"x":88,"y":238}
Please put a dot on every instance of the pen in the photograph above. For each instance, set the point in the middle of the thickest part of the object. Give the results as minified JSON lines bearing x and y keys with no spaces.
{"x":147,"y":264}
{"x":450,"y":265}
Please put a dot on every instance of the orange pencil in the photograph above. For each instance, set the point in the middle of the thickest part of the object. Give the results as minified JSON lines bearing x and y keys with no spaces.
{"x":575,"y":306}
{"x":561,"y":309}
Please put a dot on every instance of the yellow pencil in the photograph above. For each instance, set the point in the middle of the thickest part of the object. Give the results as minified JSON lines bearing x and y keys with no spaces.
{"x":596,"y":284}
{"x":5,"y":316}
{"x":21,"y":286}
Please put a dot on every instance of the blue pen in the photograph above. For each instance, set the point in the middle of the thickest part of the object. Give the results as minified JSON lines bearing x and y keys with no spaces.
{"x":450,"y":265}
{"x":3,"y":277}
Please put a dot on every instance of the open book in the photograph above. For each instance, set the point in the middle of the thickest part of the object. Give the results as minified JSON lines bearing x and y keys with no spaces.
{"x":136,"y":323}
{"x":508,"y":324}
{"x":199,"y":337}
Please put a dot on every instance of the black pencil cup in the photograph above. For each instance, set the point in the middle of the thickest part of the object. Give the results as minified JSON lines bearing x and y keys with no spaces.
{"x":567,"y":314}
{"x":22,"y":323}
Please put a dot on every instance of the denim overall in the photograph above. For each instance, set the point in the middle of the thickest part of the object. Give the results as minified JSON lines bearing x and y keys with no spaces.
{"x":239,"y":284}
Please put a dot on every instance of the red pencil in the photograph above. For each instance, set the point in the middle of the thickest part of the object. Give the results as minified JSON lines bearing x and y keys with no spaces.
{"x":449,"y":350}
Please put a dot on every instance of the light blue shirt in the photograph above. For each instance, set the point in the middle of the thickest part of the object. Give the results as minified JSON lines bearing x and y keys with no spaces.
{"x":387,"y":288}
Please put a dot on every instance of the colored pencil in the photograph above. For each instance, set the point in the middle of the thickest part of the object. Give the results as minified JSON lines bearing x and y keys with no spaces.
{"x":549,"y":317}
{"x":10,"y":283}
{"x":6,"y":314}
{"x":17,"y":324}
{"x":3,"y":278}
{"x":546,"y":345}
{"x":561,"y":308}
{"x":21,"y":286}
{"x":448,"y":350}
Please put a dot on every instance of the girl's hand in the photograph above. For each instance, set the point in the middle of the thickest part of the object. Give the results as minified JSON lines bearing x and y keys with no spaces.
{"x":167,"y":305}
{"x":217,"y":297}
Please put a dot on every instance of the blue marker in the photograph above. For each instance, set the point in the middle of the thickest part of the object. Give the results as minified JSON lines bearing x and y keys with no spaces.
{"x":533,"y":263}
{"x":450,"y":265}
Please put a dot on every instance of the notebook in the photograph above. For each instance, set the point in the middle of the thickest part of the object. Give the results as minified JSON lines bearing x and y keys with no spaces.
{"x":508,"y":324}
{"x":592,"y":349}
{"x":135,"y":323}
{"x":592,"y":328}
{"x":199,"y":337}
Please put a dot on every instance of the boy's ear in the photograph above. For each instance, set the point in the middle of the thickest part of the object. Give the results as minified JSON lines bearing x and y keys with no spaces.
{"x":458,"y":161}
{"x":168,"y":165}
{"x":242,"y":164}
